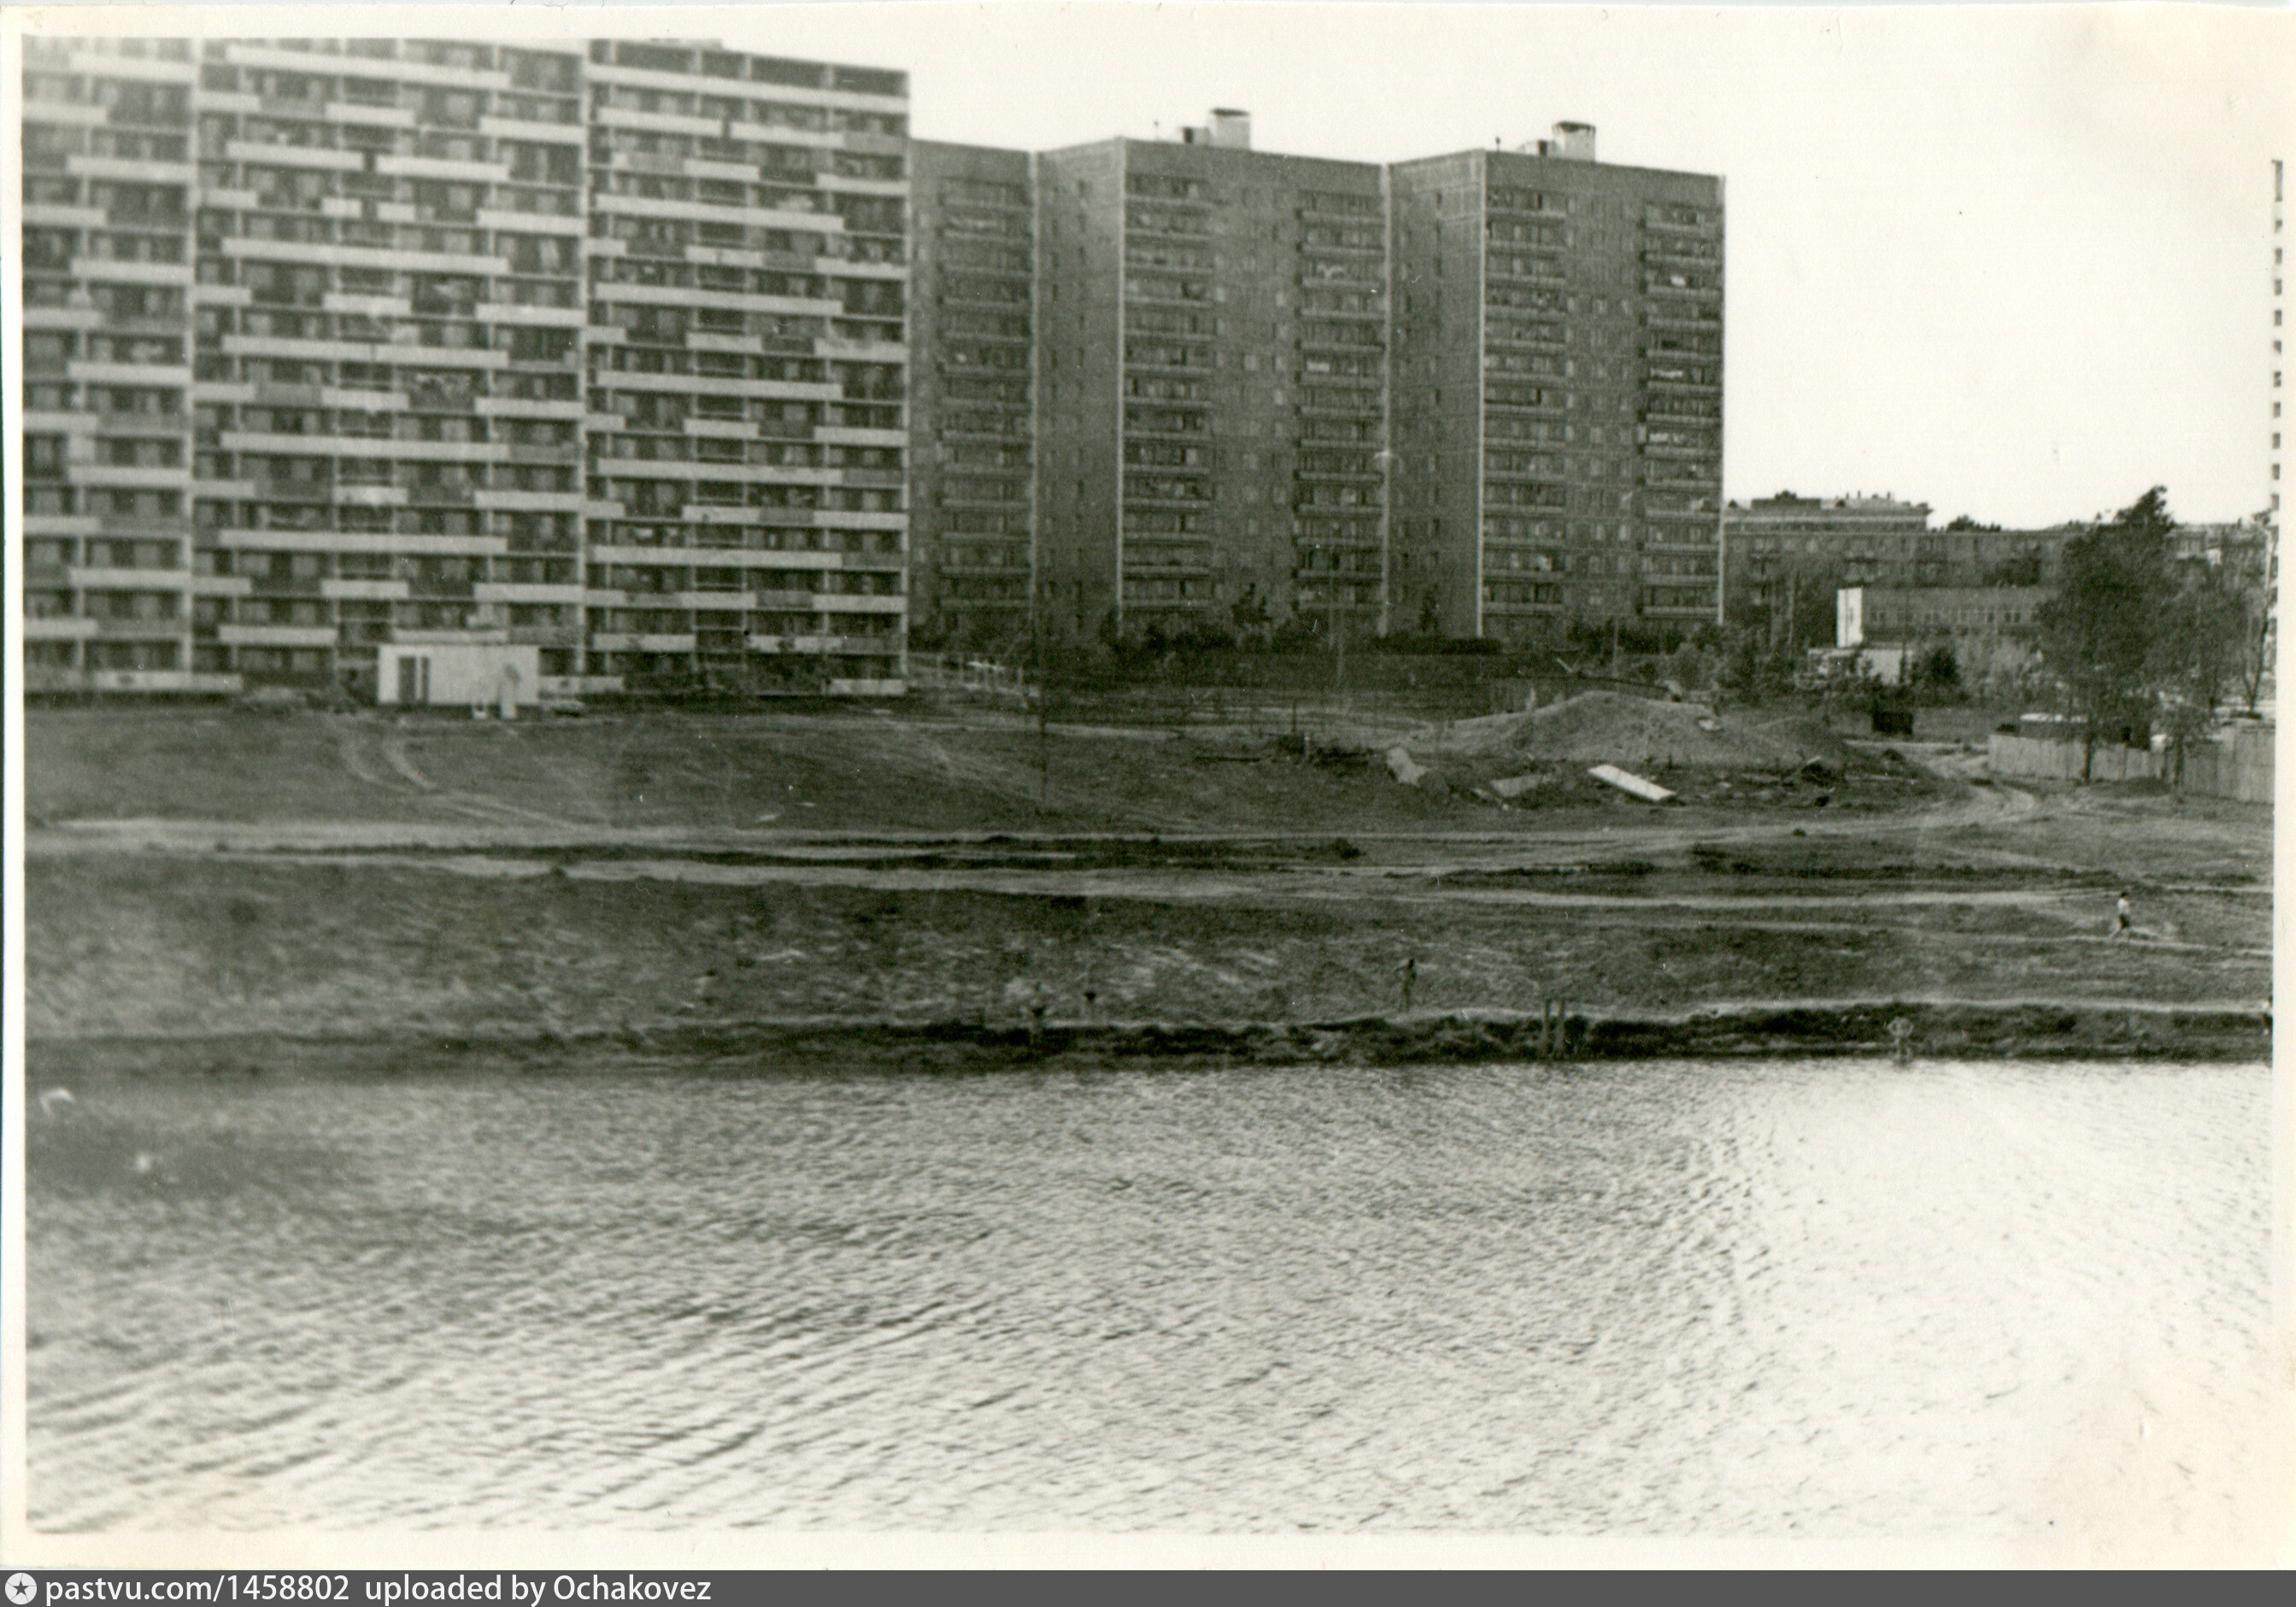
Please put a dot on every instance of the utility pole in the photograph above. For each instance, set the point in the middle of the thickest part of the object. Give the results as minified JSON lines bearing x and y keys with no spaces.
{"x":1043,"y":727}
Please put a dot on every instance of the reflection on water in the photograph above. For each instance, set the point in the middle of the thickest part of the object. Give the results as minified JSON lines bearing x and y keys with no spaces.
{"x":1827,"y":1299}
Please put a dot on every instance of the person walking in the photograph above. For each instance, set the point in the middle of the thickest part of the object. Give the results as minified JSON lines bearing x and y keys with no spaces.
{"x":2121,"y":927}
{"x":1410,"y":975}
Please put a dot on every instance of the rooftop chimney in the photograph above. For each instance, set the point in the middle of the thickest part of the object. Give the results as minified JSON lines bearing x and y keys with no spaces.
{"x":1572,"y":141}
{"x":1231,"y":129}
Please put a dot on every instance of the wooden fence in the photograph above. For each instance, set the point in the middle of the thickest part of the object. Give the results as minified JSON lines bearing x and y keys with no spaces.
{"x":2237,"y":766}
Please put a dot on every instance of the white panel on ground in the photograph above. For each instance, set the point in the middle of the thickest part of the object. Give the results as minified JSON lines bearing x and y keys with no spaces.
{"x":1626,"y":781}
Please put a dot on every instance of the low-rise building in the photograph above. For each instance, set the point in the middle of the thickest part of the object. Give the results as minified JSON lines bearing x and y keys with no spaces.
{"x":1905,"y":616}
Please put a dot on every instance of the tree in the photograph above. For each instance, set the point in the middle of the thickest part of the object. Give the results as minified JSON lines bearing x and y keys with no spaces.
{"x":2198,"y":632}
{"x":2097,"y":633}
{"x":1936,"y":674}
{"x":2247,"y":568}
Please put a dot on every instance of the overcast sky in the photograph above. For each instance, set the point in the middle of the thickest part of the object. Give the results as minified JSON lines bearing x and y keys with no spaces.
{"x":2014,"y":261}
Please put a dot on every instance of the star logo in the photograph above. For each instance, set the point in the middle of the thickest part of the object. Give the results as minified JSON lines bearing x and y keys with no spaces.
{"x":22,"y":1588}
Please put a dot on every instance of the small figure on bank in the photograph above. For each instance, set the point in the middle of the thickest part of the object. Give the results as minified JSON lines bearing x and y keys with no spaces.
{"x":1410,"y":976}
{"x":2121,"y":927}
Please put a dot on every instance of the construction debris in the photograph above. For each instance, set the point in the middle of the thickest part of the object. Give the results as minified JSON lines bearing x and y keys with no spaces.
{"x":1639,"y":733}
{"x":1649,"y":792}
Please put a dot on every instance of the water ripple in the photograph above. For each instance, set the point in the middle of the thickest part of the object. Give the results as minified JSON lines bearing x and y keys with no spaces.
{"x":1831,"y":1300}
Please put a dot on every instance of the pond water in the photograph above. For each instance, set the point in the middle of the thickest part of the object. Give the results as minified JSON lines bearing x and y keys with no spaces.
{"x":1810,"y":1299}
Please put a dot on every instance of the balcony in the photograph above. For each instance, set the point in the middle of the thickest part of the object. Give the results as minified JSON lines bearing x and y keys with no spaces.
{"x":1680,"y":290}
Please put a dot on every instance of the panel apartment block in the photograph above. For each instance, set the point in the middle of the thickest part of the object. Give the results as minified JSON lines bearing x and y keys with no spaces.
{"x":2272,"y":515}
{"x":107,"y":420}
{"x":971,"y":439}
{"x":1558,"y":392}
{"x":1212,"y":351}
{"x":747,"y":368}
{"x":312,"y":324}
{"x":387,"y":313}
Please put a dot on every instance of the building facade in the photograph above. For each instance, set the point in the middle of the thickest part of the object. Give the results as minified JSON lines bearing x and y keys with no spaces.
{"x":746,"y":365}
{"x":1558,"y":397}
{"x":1478,"y":395}
{"x":686,"y":366}
{"x":1785,"y":544}
{"x":1776,"y":549}
{"x":2272,"y":514}
{"x":1912,"y":616}
{"x":601,"y":353}
{"x":973,"y":394}
{"x":107,"y":282}
{"x":1212,"y":355}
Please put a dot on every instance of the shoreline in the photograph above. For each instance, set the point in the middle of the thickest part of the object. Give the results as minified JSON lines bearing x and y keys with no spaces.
{"x":1956,"y":1031}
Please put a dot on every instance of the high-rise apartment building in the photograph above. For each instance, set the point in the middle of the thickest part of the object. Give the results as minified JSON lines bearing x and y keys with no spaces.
{"x":2272,"y":508}
{"x":746,"y":366}
{"x":387,"y":320}
{"x":1212,"y":340}
{"x":348,"y":343}
{"x":106,"y":378}
{"x":1478,"y":395}
{"x":603,"y":355}
{"x":971,"y":393}
{"x":1558,"y":392}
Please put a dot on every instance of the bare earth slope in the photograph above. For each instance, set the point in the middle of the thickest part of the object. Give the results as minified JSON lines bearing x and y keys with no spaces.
{"x":315,"y":877}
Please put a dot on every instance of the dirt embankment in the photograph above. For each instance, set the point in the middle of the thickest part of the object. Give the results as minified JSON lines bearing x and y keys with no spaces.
{"x":666,"y":901}
{"x":734,"y":774}
{"x":396,"y":949}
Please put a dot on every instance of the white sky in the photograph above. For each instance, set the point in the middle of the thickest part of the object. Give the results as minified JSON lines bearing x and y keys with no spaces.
{"x":2013,"y":261}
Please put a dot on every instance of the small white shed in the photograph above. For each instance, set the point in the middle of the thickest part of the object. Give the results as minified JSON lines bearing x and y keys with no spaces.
{"x":492,"y":676}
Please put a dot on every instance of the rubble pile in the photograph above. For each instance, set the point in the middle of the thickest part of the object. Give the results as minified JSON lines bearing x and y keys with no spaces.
{"x":1638,"y":734}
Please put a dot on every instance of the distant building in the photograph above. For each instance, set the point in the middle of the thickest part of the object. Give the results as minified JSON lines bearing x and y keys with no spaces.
{"x":1479,"y":394}
{"x":1557,"y":392}
{"x":1909,"y":616}
{"x":971,"y":393}
{"x":1806,"y":545}
{"x":1785,"y":543}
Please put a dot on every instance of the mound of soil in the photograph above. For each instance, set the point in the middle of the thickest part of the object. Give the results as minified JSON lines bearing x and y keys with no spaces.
{"x":1636,"y":733}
